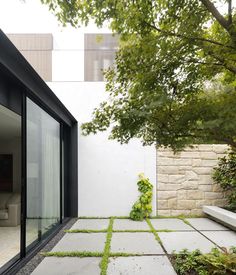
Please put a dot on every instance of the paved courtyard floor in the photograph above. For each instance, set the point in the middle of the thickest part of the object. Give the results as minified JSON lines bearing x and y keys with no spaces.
{"x":132,"y":248}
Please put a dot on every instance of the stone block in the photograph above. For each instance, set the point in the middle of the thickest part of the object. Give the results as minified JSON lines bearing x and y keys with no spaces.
{"x":197,"y":212}
{"x":216,"y":188}
{"x":166,"y":194}
{"x":213,"y":195}
{"x":163,"y":212}
{"x":220,"y":148}
{"x":190,"y":155}
{"x":201,"y":203}
{"x":190,"y":185}
{"x":176,"y":178}
{"x":183,"y":161}
{"x":205,"y":147}
{"x":209,"y":162}
{"x":208,"y":155}
{"x":169,"y":170}
{"x":162,"y":177}
{"x":220,"y":202}
{"x":205,"y":187}
{"x":203,"y":170}
{"x":166,"y":153}
{"x":172,"y":203}
{"x":168,"y":186}
{"x":195,"y":194}
{"x":165,"y":161}
{"x":205,"y":179}
{"x":182,"y":195}
{"x":186,"y":204}
{"x":196,"y":162}
{"x":162,"y":204}
{"x":193,"y":148}
{"x":191,"y":175}
{"x":175,"y":212}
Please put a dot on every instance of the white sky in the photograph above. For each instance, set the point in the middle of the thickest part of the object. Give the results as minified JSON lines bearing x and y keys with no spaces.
{"x":31,"y":16}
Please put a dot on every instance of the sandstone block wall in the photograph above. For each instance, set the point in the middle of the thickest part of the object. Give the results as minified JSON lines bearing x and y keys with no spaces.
{"x":184,"y":180}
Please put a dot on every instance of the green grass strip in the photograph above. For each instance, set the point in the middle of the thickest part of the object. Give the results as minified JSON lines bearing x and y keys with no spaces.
{"x":93,"y":217}
{"x":106,"y":252}
{"x":154,"y":231}
{"x":140,"y":231}
{"x":123,"y":254}
{"x":80,"y":254}
{"x":83,"y":254}
{"x":131,"y":231}
{"x":85,"y":231}
{"x":178,"y":217}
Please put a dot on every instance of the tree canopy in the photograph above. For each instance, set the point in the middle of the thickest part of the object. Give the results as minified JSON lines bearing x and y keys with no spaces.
{"x":174,"y":79}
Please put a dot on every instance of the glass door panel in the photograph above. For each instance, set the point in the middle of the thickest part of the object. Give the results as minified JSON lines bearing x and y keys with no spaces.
{"x":43,"y":173}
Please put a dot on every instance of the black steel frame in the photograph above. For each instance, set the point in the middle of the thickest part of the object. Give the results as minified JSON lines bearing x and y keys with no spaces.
{"x":35,"y":89}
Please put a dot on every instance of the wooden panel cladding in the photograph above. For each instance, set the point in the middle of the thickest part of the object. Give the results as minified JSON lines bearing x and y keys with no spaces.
{"x":38,"y":42}
{"x":37,"y":50}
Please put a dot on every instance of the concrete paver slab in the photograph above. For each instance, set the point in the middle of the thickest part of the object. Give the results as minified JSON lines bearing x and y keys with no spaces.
{"x":222,"y":238}
{"x":141,"y":242}
{"x":145,"y":265}
{"x":125,"y":224}
{"x":170,"y":224}
{"x":93,"y":242}
{"x":91,"y":224}
{"x":67,"y":265}
{"x":181,"y":240}
{"x":206,"y":224}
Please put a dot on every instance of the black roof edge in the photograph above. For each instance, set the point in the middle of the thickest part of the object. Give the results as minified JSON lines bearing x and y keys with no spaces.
{"x":14,"y":61}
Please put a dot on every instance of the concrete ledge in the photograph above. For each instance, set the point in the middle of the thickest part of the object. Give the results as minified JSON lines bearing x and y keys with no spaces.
{"x":223,"y":216}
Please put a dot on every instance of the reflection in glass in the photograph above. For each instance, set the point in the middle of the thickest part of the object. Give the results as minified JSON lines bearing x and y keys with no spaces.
{"x":10,"y":184}
{"x":43,"y":173}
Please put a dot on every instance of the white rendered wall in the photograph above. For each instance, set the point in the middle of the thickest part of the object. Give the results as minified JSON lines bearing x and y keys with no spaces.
{"x":108,"y":171}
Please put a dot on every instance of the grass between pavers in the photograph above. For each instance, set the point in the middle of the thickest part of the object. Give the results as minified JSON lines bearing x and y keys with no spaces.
{"x":190,"y":216}
{"x":106,"y":252}
{"x":85,"y":231}
{"x":79,"y":254}
{"x":140,"y":231}
{"x":154,"y":231}
{"x":182,"y":216}
{"x":85,"y":254}
{"x":108,"y":218}
{"x":115,"y":231}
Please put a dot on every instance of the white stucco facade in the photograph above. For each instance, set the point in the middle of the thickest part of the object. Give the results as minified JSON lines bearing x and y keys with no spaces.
{"x":107,"y":171}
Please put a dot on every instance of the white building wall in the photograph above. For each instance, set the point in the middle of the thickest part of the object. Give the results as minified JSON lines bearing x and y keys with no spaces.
{"x":108,"y":171}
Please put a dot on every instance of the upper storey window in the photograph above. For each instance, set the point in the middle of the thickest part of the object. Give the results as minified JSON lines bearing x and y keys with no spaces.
{"x":99,"y":55}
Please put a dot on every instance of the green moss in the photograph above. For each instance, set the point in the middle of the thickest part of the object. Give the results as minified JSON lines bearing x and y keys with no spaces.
{"x":154,"y":231}
{"x":138,"y":231}
{"x":79,"y":254}
{"x":85,"y":231}
{"x":106,"y":252}
{"x":130,"y":231}
{"x":93,"y":217}
{"x":178,"y":217}
{"x":122,"y":254}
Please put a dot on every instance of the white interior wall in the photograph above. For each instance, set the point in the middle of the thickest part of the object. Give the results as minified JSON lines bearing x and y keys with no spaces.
{"x":108,"y":171}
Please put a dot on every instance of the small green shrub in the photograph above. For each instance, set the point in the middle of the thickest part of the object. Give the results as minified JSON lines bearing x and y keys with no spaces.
{"x":143,"y":206}
{"x":195,"y":263}
{"x":225,"y":175}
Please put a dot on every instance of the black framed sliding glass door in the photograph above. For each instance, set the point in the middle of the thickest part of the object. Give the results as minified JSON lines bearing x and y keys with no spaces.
{"x":43,"y":173}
